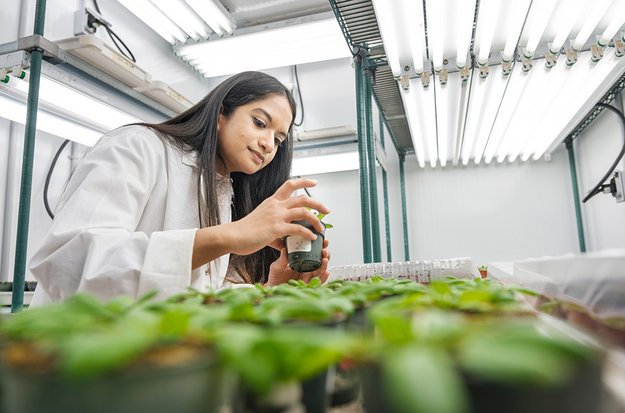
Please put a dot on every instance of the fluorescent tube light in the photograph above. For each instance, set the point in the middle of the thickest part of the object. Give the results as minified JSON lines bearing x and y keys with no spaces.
{"x":538,"y":82}
{"x":155,"y":19}
{"x":597,"y":11}
{"x":403,"y":33}
{"x":545,"y":105}
{"x":618,"y":20}
{"x":483,"y":120}
{"x":15,"y":111}
{"x":443,"y":115}
{"x":539,"y":14}
{"x":514,"y":89}
{"x":419,"y":104}
{"x":335,"y":162}
{"x":514,"y":29}
{"x":435,"y":21}
{"x":214,"y":15}
{"x":590,"y":82}
{"x":485,"y":29}
{"x":465,"y":10}
{"x":565,"y":16}
{"x":77,"y":107}
{"x":284,"y":46}
{"x":179,"y":20}
{"x":387,"y":22}
{"x":184,"y":17}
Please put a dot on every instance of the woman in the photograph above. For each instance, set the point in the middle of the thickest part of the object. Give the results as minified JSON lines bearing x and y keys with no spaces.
{"x":200,"y":200}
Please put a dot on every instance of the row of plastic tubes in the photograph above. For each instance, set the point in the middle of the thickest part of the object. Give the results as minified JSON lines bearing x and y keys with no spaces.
{"x":421,"y":271}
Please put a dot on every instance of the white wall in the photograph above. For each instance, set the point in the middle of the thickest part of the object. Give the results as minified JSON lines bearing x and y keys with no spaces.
{"x":595,"y":150}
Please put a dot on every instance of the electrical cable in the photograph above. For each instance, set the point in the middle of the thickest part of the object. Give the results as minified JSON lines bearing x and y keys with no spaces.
{"x":299,"y":94}
{"x":305,"y":189}
{"x":599,"y":187}
{"x":114,"y":36}
{"x":49,"y":175}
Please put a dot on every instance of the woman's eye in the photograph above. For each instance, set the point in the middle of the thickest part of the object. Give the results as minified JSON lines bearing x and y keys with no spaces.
{"x":277,"y":141}
{"x":259,"y":123}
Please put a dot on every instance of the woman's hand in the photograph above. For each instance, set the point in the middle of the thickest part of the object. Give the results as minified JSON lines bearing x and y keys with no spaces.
{"x":272,"y":219}
{"x":279,"y":271}
{"x":266,"y":225}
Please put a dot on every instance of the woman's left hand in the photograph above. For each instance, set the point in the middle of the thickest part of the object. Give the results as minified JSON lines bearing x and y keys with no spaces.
{"x":280,"y":272}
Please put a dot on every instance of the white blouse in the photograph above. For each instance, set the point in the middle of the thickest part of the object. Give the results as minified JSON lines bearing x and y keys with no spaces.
{"x":126,"y":223}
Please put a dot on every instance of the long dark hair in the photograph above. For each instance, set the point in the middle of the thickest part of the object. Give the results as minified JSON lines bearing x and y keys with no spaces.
{"x":195,"y":130}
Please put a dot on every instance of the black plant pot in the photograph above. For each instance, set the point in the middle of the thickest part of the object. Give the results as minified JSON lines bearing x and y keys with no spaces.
{"x":581,"y":393}
{"x":308,"y":396}
{"x":189,"y":388}
{"x":304,"y":254}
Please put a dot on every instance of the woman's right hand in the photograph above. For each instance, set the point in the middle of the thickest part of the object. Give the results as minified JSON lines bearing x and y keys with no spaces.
{"x":272,"y":219}
{"x":265,"y":225}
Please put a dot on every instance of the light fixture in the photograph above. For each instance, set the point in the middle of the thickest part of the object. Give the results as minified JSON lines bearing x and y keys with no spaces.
{"x":403,"y":34}
{"x":419,"y":105}
{"x":76,"y":107}
{"x":177,"y":21}
{"x":539,"y":17}
{"x":519,"y":11}
{"x":465,"y":10}
{"x":443,"y":115}
{"x":598,"y":9}
{"x":486,"y":23}
{"x":590,"y":82}
{"x":517,"y":132}
{"x":514,"y":89}
{"x":328,"y":163}
{"x":565,"y":17}
{"x":482,"y":114}
{"x":258,"y":50}
{"x":436,"y":21}
{"x":15,"y":111}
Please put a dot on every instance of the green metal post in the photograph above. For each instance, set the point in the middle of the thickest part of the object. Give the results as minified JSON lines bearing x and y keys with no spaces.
{"x":373,"y":179}
{"x":578,"y":209}
{"x":387,"y":221}
{"x":21,"y":244}
{"x":404,"y":215}
{"x":362,"y":152}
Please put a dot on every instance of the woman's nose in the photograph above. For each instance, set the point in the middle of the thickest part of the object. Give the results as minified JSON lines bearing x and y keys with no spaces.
{"x":266,"y":142}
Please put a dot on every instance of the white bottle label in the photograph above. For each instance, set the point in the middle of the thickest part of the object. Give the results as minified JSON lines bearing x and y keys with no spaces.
{"x":295,"y":243}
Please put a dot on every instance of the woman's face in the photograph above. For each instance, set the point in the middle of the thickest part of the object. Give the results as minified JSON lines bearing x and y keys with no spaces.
{"x":249,"y":138}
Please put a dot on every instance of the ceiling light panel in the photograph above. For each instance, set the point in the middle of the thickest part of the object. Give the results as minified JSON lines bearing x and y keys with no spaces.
{"x":283,"y":46}
{"x":402,"y":27}
{"x":512,"y":106}
{"x":177,"y":21}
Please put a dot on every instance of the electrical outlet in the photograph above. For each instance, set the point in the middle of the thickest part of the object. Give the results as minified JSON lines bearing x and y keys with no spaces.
{"x":619,"y":182}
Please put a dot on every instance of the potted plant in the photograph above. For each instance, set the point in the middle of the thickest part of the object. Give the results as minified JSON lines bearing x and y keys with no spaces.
{"x":123,"y":356}
{"x":483,"y":269}
{"x":305,"y":255}
{"x":471,"y":346}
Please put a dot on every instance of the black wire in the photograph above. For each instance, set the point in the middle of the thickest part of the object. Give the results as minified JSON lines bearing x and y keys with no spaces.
{"x":299,"y":94}
{"x":47,"y":184}
{"x":598,"y":188}
{"x":114,"y":36}
{"x":305,"y":189}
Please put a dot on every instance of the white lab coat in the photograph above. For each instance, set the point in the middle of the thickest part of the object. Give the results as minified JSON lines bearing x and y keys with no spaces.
{"x":126,"y":223}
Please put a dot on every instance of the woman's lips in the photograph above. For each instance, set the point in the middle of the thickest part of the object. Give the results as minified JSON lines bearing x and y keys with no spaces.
{"x":258,"y":158}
